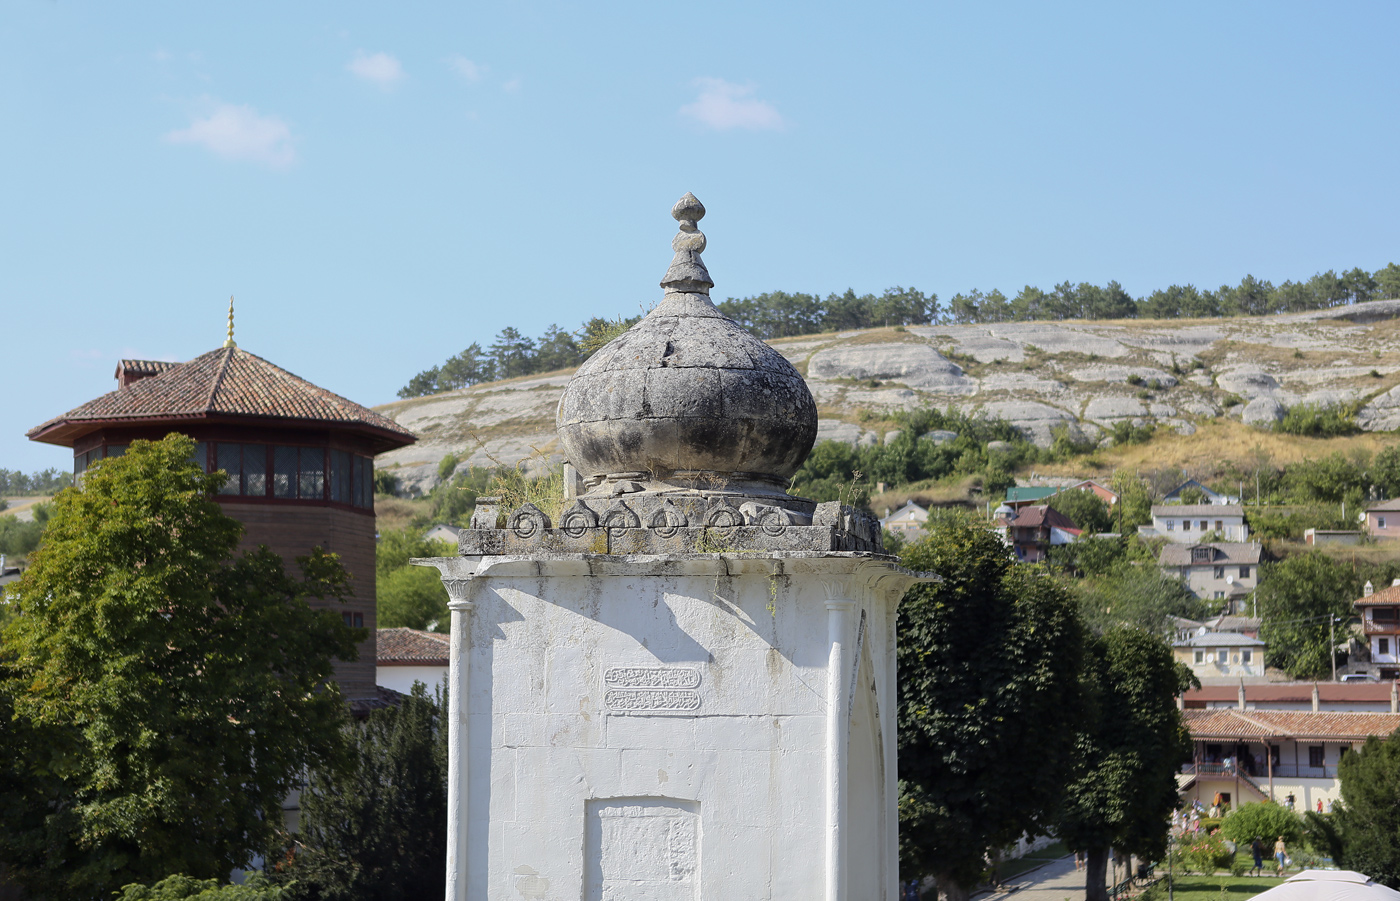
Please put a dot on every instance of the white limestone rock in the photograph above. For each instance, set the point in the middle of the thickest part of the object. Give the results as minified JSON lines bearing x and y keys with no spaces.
{"x":844,"y":432}
{"x":916,"y":365}
{"x":1382,"y":414}
{"x":1248,"y":381}
{"x":1102,"y":408}
{"x":939,"y":436}
{"x":1180,"y":426}
{"x":1263,"y":412}
{"x":1122,"y":374}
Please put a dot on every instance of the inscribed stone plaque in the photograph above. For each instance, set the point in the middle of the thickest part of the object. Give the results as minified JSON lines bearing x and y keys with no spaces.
{"x":642,"y":849}
{"x":651,"y":689}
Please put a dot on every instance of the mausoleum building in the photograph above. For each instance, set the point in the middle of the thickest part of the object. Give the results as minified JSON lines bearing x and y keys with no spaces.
{"x":681,"y":683}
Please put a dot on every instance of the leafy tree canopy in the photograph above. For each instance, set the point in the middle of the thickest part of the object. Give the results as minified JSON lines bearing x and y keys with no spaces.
{"x":1296,"y":598}
{"x":1130,"y":745}
{"x":183,"y":888}
{"x":161,"y":699}
{"x":1368,"y":819}
{"x":1266,"y":820}
{"x":1135,"y":594}
{"x":1085,"y":508}
{"x":988,"y":669}
{"x":377,"y":831}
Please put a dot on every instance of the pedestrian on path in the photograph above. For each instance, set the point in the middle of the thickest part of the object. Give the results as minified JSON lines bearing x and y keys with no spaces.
{"x":1281,"y":855}
{"x":1257,"y":848}
{"x":1079,"y":860}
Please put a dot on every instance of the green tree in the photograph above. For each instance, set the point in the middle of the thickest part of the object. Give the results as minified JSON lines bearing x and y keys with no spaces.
{"x":1130,"y":745}
{"x":1297,"y":596}
{"x":1135,"y":500}
{"x":377,"y":830}
{"x":988,"y":668}
{"x":1128,"y":593}
{"x":512,"y":354}
{"x":1266,"y":820}
{"x":470,"y":367}
{"x":161,"y":699}
{"x":1367,"y":821}
{"x":1387,"y":282}
{"x":412,"y":597}
{"x":1086,"y":508}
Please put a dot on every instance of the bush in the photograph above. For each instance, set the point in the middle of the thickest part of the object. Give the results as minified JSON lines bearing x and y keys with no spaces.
{"x":412,"y":597}
{"x":1320,"y":420}
{"x":385,"y":482}
{"x":1266,"y":820}
{"x":186,"y":888}
{"x":1205,"y":853}
{"x":1124,"y":432}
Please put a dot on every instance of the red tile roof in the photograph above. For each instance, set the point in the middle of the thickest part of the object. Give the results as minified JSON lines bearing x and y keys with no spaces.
{"x":1387,"y":595}
{"x":412,"y":647}
{"x":1042,"y":515}
{"x":1276,"y":692}
{"x":228,"y":383}
{"x":1295,"y":724}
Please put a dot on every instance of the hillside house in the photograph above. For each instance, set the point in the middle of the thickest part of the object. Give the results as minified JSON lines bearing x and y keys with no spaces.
{"x":1023,"y":496}
{"x":406,"y":656}
{"x":1383,"y":519}
{"x":1213,"y":498}
{"x":1032,"y":531}
{"x":443,"y":532}
{"x":1221,"y":571}
{"x":1261,"y":755}
{"x":1380,"y":627}
{"x":1217,"y":657}
{"x":1189,"y":523}
{"x":907,"y":522}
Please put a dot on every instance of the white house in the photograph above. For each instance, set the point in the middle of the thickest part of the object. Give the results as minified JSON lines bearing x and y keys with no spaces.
{"x":1212,"y":497}
{"x":1192,"y":523}
{"x":907,"y":522}
{"x":1217,"y":656}
{"x":443,"y":532}
{"x":1222,"y":571}
{"x":405,"y":656}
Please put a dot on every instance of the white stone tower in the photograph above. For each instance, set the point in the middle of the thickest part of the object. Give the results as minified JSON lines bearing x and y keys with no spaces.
{"x":685,"y":687}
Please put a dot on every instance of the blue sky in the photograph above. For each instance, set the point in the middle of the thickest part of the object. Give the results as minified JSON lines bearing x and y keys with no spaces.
{"x":382,"y":184}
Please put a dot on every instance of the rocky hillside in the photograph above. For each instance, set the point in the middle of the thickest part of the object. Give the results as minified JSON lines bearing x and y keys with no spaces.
{"x":1037,"y":375}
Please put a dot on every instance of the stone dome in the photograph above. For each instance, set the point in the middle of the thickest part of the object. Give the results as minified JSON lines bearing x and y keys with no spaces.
{"x":686,"y":397}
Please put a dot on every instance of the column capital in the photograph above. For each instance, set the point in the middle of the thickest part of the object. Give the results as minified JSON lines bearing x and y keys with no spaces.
{"x":842,"y":604}
{"x":459,"y":593}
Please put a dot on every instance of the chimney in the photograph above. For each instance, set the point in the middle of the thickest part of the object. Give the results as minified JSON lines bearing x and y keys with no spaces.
{"x":1394,"y":582}
{"x":1242,"y":694}
{"x":1181,"y":702}
{"x":1369,"y":589}
{"x":1316,"y":698}
{"x":1395,"y":697}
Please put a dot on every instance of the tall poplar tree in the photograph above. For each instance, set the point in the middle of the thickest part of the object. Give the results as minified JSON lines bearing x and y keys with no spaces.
{"x":159,"y":699}
{"x":989,"y":664}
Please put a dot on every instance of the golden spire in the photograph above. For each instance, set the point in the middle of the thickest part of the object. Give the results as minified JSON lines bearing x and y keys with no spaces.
{"x":229,"y":342}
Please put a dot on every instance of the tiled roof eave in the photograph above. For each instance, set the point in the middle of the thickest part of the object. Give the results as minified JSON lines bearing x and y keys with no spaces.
{"x":413,"y":661}
{"x":52,"y":432}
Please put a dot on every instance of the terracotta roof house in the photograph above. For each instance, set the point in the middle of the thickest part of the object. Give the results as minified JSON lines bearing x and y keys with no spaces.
{"x":1380,"y":625}
{"x":1255,"y":755}
{"x":300,"y":460}
{"x":1319,"y":697}
{"x":1033,"y":530}
{"x":411,"y":655}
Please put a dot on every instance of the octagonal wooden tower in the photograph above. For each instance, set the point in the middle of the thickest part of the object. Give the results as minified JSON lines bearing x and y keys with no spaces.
{"x":300,"y":460}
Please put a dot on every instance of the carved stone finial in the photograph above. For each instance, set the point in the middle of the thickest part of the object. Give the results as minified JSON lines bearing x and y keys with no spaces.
{"x":687,"y":273}
{"x":229,"y":341}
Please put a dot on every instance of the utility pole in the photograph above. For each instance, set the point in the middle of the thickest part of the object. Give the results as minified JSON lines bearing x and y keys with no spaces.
{"x":1332,"y":643}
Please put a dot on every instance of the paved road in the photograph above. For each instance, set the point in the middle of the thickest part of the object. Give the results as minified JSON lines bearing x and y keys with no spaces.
{"x":1056,"y":881}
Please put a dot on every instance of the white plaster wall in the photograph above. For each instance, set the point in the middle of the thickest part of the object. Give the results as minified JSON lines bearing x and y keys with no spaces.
{"x":401,"y":678}
{"x":546,"y":751}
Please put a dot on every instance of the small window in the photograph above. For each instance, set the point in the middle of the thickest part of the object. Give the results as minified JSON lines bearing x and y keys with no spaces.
{"x":200,"y":457}
{"x":284,"y":472}
{"x":1200,"y":657}
{"x":116,"y":450}
{"x":1171,"y":525}
{"x":1200,"y":554}
{"x":353,"y":620}
{"x":1220,"y":572}
{"x":1220,"y":595}
{"x":1222,"y":657}
{"x":1186,"y":525}
{"x":1246,"y":657}
{"x":1317,"y":756}
{"x":313,"y":474}
{"x":1383,"y":645}
{"x":1380,"y":522}
{"x":1219,"y":525}
{"x":1203,"y":525}
{"x":1383,"y":614}
{"x":1244,"y":572}
{"x":229,"y":458}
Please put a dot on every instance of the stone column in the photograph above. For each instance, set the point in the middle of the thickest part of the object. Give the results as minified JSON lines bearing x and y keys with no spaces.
{"x":458,"y":696}
{"x":838,"y":732}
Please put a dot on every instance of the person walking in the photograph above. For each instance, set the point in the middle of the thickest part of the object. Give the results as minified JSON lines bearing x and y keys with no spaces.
{"x":1079,"y":860}
{"x":1281,"y":855}
{"x":1257,"y":848}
